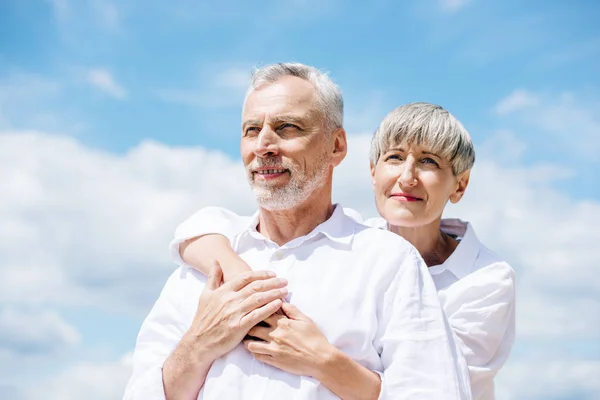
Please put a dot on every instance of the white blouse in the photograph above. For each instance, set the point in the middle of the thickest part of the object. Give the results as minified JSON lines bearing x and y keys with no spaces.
{"x":477,"y":291}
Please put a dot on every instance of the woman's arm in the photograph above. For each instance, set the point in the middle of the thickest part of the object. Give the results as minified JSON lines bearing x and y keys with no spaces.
{"x":198,"y":253}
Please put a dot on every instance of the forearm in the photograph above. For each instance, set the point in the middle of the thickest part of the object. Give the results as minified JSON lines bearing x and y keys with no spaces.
{"x":198,"y":253}
{"x":347,"y":379}
{"x":184,"y":372}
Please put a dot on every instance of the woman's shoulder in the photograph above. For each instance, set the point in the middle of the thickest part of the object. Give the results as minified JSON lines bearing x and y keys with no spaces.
{"x":473,"y":253}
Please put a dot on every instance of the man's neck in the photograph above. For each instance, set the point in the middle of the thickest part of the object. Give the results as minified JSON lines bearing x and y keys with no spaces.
{"x":283,"y":226}
{"x":434,"y":246}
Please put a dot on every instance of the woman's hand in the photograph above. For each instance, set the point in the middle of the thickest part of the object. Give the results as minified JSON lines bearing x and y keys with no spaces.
{"x":292,"y":342}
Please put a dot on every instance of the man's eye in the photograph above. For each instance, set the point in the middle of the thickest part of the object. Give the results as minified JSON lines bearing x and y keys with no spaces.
{"x":252,"y":129}
{"x":287,"y":126}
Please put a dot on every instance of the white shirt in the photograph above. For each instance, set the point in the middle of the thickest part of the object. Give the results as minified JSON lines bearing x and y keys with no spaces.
{"x":367,"y":289}
{"x":477,"y":291}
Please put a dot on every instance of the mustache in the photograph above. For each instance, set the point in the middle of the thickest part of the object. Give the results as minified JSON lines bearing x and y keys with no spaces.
{"x":269,"y":162}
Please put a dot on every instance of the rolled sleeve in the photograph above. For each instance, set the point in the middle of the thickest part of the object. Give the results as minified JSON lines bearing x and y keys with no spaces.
{"x":420,"y":356}
{"x":208,"y":220}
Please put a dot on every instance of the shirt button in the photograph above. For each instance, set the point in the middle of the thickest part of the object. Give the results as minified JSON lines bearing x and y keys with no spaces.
{"x":278,"y":255}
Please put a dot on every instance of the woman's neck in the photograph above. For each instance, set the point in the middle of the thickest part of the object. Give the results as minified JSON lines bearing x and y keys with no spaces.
{"x":434,"y":245}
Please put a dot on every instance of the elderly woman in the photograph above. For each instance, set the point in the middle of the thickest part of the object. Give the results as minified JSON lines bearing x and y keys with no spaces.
{"x":421,"y":158}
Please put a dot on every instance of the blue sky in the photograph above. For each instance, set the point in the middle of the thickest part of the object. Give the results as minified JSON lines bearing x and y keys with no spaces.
{"x":119,"y":119}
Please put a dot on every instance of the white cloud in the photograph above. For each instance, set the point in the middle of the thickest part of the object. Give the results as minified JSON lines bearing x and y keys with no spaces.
{"x":99,"y":223}
{"x":518,"y":100}
{"x":103,"y":80}
{"x":573,"y":120}
{"x":24,"y":332}
{"x":543,"y":378}
{"x":90,"y":381}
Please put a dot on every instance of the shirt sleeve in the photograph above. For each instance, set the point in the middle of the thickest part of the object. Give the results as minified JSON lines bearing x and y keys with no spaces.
{"x":484,"y":321}
{"x":419,"y":353}
{"x":160,"y":333}
{"x":208,"y":220}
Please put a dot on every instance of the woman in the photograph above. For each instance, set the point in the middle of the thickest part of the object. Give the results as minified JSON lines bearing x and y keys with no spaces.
{"x":421,"y":158}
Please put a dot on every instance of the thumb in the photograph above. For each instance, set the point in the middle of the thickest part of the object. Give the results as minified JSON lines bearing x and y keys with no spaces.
{"x":215,"y":275}
{"x":293,"y":312}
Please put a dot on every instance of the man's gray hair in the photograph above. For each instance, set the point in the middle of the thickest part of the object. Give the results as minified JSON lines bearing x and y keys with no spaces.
{"x":429,"y":125}
{"x":328,"y":95}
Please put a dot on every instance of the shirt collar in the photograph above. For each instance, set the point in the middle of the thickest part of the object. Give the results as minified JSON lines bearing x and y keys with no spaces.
{"x":338,"y":228}
{"x":462,"y":260}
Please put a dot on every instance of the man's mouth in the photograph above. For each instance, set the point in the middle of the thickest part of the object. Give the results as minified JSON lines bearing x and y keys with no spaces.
{"x":269,"y":173}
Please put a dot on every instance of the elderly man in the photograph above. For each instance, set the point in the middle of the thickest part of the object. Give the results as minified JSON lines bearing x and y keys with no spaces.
{"x":363,"y":317}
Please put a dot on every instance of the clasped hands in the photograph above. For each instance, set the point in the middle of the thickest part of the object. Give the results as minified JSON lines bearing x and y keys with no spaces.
{"x":229,"y":312}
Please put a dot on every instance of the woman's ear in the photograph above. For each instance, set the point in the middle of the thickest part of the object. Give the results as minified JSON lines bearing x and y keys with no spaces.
{"x":372,"y":168}
{"x":461,"y":186}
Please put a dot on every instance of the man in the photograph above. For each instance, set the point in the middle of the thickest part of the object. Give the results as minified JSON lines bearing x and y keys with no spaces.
{"x":363,"y":317}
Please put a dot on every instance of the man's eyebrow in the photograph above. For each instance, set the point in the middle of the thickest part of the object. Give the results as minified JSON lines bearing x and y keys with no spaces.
{"x":289,"y":119}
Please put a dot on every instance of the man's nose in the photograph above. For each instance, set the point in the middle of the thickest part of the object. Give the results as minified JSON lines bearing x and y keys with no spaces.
{"x":267,"y":143}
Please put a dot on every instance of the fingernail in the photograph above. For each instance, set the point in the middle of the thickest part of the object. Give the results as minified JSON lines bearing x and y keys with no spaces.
{"x":271,"y":274}
{"x":283,"y":281}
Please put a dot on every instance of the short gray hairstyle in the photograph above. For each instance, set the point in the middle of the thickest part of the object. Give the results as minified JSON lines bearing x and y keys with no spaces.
{"x":429,"y":125}
{"x":328,"y":94}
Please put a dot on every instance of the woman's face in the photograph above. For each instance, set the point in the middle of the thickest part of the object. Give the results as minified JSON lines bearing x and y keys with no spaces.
{"x":412,"y":185}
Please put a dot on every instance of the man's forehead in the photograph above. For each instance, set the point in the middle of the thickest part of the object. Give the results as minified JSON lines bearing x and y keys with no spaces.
{"x":284,"y":95}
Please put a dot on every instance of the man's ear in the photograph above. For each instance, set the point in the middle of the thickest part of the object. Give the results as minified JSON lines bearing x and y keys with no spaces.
{"x":461,"y":186}
{"x":340,"y":146}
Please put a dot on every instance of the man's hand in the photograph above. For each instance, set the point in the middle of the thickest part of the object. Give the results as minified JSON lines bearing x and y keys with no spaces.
{"x":292,"y":343}
{"x":227,"y":312}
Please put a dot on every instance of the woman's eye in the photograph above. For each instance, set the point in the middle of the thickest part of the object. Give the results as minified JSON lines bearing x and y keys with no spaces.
{"x":429,"y":161}
{"x":393,"y":157}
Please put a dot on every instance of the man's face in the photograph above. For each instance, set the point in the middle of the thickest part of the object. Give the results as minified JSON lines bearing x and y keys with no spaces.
{"x":284,"y":145}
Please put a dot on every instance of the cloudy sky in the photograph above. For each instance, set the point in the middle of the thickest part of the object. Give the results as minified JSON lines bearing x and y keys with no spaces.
{"x":120,"y":118}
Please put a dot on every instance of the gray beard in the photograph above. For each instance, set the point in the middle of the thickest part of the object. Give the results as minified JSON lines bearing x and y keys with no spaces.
{"x":296,"y":192}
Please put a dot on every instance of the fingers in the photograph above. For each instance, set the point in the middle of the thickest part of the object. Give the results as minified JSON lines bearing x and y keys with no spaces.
{"x":215,"y":276}
{"x":261,"y":298}
{"x":258,"y":314}
{"x":293,"y":312}
{"x":247,"y":278}
{"x":261,"y":332}
{"x":272,"y":320}
{"x":262,"y":285}
{"x":256,"y":347}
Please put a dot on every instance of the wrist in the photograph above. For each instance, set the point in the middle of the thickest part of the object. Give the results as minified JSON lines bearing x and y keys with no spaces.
{"x":198,"y":350}
{"x":330,"y":358}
